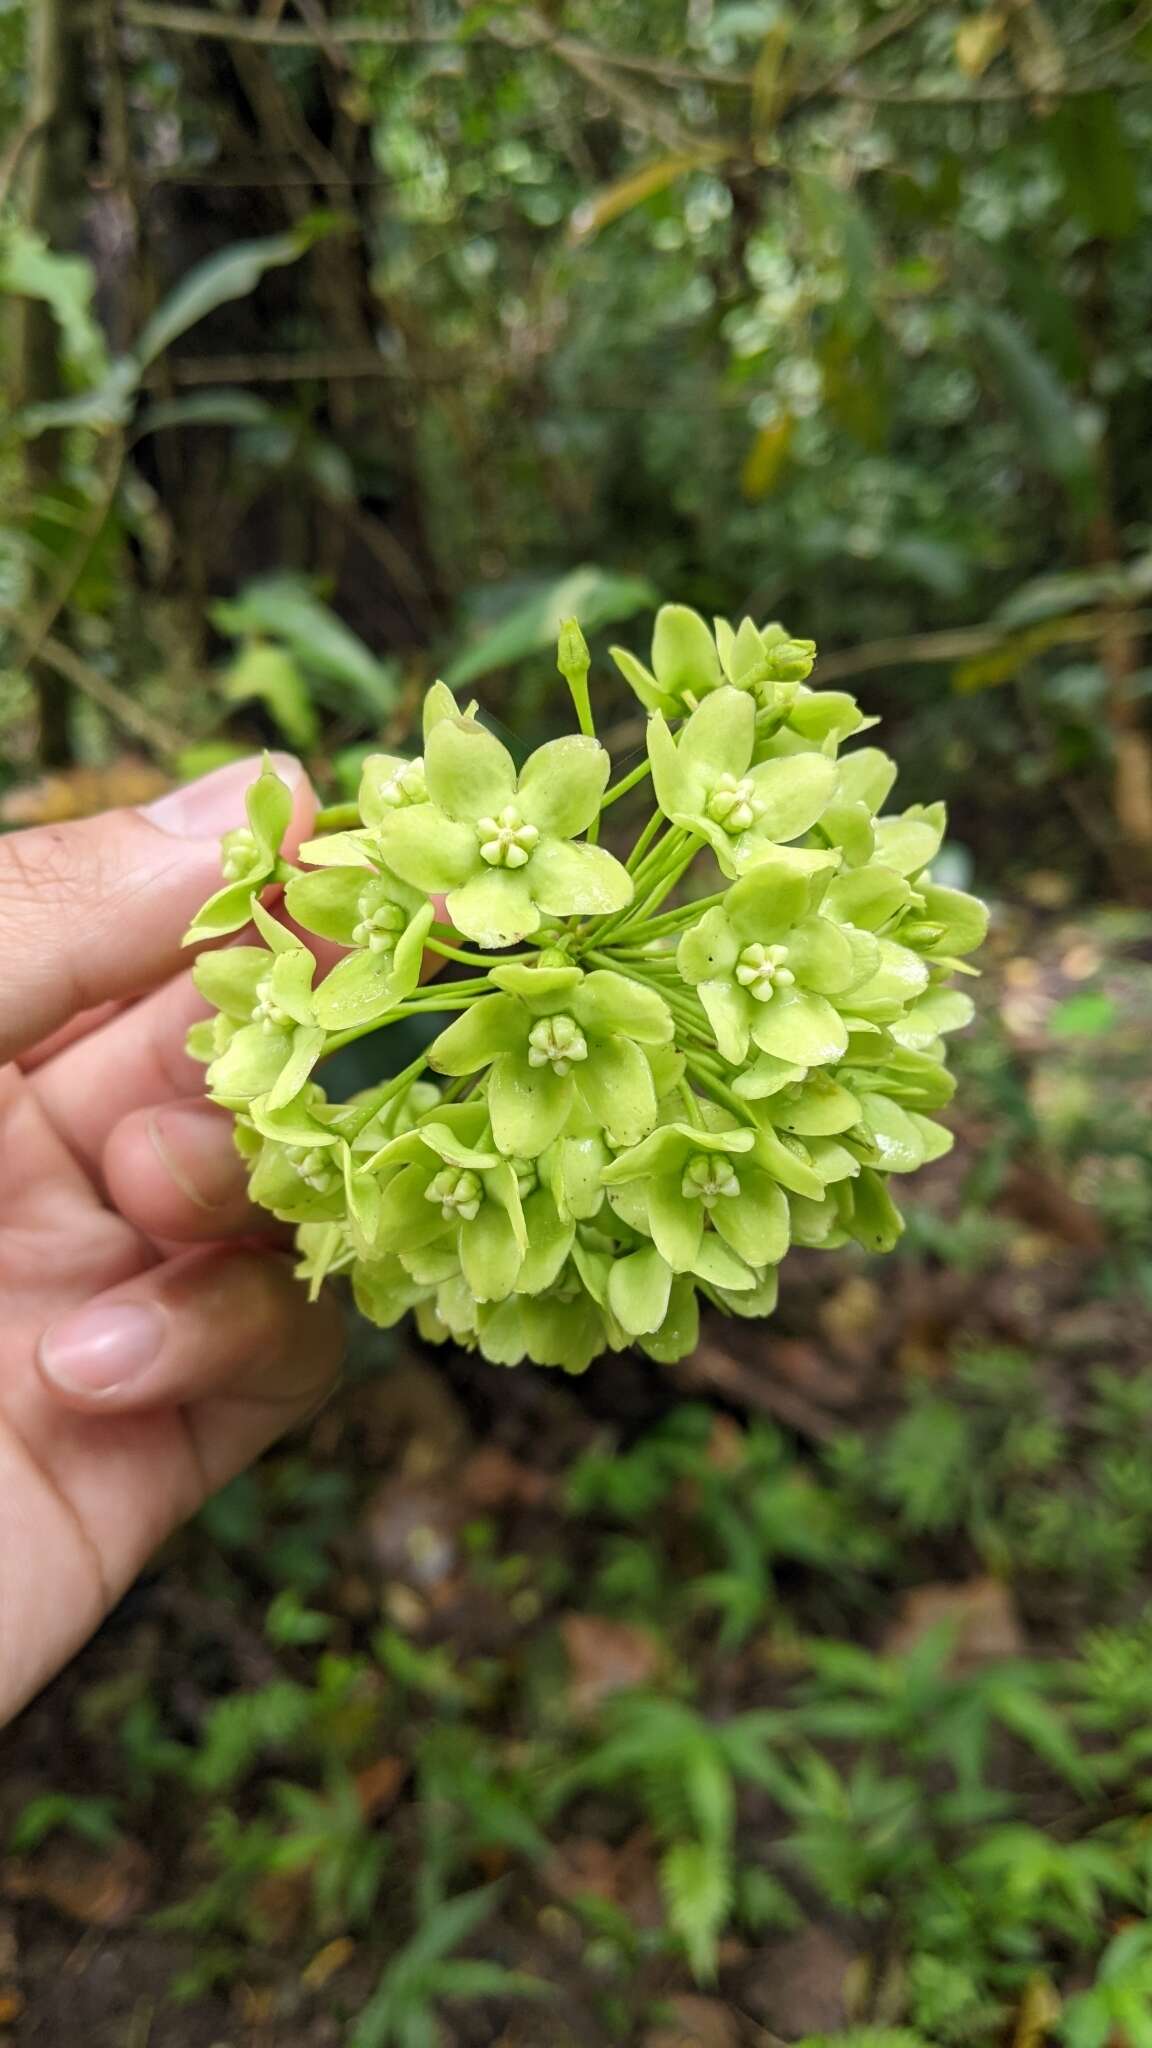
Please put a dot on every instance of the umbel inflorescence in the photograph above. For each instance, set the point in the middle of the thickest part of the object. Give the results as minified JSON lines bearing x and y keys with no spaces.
{"x":660,"y":1071}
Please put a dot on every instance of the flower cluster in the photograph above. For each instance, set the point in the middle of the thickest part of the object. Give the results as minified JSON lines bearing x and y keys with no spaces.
{"x":660,"y":1071}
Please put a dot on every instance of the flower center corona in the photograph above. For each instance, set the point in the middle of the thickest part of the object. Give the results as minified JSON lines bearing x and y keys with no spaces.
{"x":556,"y":1042}
{"x":506,"y":841}
{"x":762,"y":970}
{"x":316,"y":1169}
{"x":267,"y":1012}
{"x":732,"y":803}
{"x":406,"y":786}
{"x":708,"y":1178}
{"x":239,"y":854}
{"x":380,"y":924}
{"x":459,"y":1194}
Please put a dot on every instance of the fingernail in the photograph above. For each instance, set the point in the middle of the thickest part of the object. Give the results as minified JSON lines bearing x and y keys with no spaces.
{"x":100,"y":1349}
{"x":204,"y":809}
{"x":195,"y":1148}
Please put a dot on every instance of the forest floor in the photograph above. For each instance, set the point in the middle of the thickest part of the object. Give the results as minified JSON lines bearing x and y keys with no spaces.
{"x":799,"y":1692}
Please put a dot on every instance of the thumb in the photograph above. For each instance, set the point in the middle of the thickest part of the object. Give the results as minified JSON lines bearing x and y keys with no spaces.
{"x":95,"y":911}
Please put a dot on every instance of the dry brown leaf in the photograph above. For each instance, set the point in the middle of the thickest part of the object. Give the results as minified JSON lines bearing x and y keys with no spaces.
{"x":492,"y":1479}
{"x":981,"y":1611}
{"x":378,"y":1785}
{"x":605,"y":1657}
{"x":326,"y":1962}
{"x":99,"y":1888}
{"x":799,"y":1984}
{"x":696,"y":2023}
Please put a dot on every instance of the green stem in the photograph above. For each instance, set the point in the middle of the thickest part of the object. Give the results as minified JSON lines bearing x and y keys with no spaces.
{"x":447,"y":952}
{"x":688,"y":1098}
{"x":626,"y":783}
{"x":336,"y":818}
{"x":367,"y":1108}
{"x":644,"y":842}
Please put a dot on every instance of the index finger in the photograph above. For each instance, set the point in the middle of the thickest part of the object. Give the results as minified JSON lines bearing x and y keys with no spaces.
{"x":95,"y":911}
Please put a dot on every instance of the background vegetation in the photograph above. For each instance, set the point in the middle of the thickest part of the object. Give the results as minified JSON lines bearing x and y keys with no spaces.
{"x":803,"y":1693}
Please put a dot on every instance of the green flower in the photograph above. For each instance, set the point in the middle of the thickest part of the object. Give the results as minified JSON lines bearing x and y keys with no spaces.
{"x":554,"y":1036}
{"x":765,"y":967}
{"x":705,"y":780}
{"x":689,"y":662}
{"x":501,"y":847}
{"x":382,"y":919}
{"x":267,"y":1039}
{"x":691,"y":1178}
{"x":250,"y":859}
{"x":444,"y":1187}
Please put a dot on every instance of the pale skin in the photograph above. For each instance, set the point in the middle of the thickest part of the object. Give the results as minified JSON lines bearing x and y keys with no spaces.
{"x":152,"y":1338}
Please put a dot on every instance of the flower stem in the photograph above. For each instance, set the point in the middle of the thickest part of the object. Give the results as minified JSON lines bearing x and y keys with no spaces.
{"x":336,"y":818}
{"x":626,"y":783}
{"x":644,"y":841}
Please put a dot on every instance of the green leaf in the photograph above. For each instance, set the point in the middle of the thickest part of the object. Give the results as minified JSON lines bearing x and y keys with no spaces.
{"x":230,"y":274}
{"x":1099,"y":168}
{"x":286,"y":610}
{"x":219,"y":408}
{"x":67,"y":284}
{"x":1047,"y":410}
{"x":530,"y":624}
{"x":267,"y":675}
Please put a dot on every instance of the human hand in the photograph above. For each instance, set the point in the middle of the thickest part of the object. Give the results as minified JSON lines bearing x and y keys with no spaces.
{"x":153,"y":1339}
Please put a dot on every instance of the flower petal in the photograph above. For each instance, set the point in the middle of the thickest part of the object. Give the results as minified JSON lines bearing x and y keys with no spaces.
{"x":327,"y":902}
{"x":607,"y":1001}
{"x":718,"y":738}
{"x":306,"y":1047}
{"x":638,"y":1291}
{"x":529,"y":1106}
{"x":800,"y":1027}
{"x":229,"y":979}
{"x":676,"y":1223}
{"x":359,"y":990}
{"x":766,"y":902}
{"x":561,"y":785}
{"x":495,"y":907}
{"x":821,"y":956}
{"x":616,"y":1083}
{"x":468,"y":773}
{"x":570,"y":880}
{"x":730,"y":1013}
{"x":549,"y":1243}
{"x":791,"y":794}
{"x":489,"y":1252}
{"x":478,"y":1036}
{"x":754,"y":1222}
{"x":684,"y":654}
{"x":427,"y":848}
{"x":710,"y":949}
